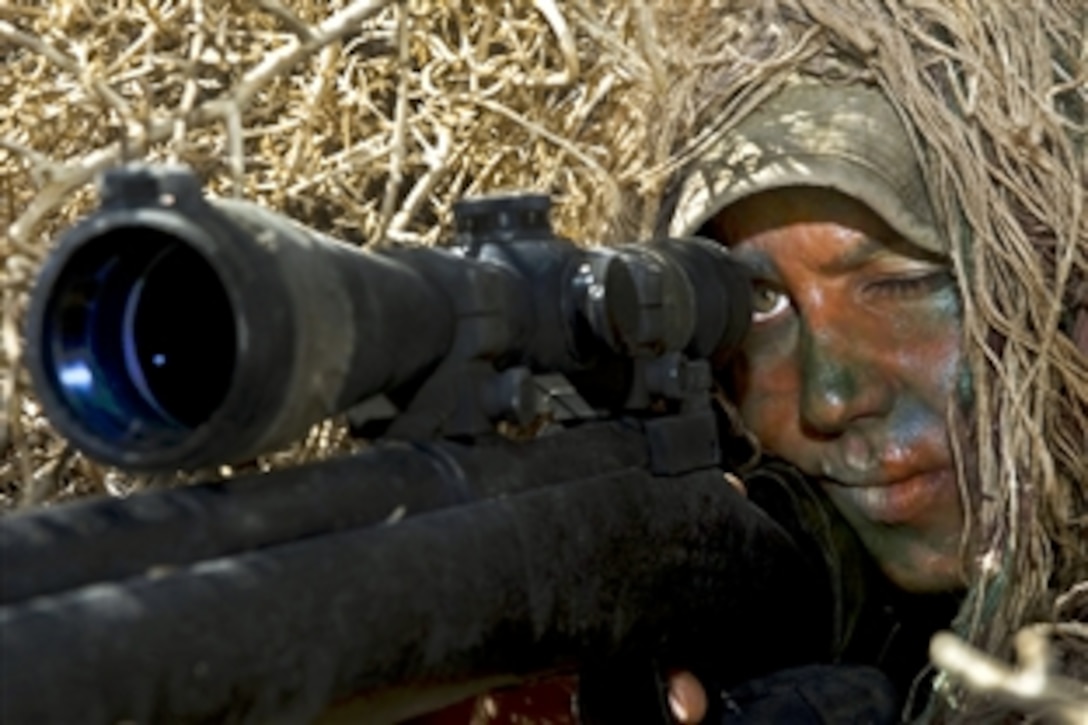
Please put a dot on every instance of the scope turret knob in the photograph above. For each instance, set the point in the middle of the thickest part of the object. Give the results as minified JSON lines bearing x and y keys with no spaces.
{"x":499,"y":218}
{"x":607,"y":297}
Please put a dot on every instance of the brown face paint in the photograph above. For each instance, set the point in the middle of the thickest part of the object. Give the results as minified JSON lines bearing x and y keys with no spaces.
{"x":849,"y":370}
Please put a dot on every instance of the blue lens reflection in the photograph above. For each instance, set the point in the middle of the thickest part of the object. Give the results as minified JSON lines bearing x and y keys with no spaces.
{"x":76,"y":377}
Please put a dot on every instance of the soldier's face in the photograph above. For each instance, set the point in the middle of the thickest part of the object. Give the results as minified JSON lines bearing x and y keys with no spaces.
{"x":850,"y":371}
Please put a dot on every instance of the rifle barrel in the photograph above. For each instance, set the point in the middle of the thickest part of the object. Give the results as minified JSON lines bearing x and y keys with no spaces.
{"x":109,"y":539}
{"x":619,"y":565}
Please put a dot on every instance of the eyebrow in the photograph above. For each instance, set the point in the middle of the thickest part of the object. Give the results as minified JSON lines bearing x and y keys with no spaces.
{"x":764,"y":265}
{"x":869,"y":249}
{"x":865,"y":252}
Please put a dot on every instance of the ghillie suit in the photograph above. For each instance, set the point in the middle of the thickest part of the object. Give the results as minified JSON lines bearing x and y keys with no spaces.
{"x":994,"y":92}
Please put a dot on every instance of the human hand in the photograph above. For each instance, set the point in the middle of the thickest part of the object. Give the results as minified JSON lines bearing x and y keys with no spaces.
{"x":687,"y":698}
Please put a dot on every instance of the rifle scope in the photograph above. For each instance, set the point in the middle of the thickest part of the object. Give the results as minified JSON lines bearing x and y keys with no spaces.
{"x":170,"y":331}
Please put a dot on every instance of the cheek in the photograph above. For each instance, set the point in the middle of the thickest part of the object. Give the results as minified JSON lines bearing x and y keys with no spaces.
{"x":928,"y":335}
{"x":926,"y":357}
{"x":767,"y":390}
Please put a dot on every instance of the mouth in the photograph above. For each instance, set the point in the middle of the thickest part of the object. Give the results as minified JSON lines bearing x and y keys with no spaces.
{"x":906,"y":501}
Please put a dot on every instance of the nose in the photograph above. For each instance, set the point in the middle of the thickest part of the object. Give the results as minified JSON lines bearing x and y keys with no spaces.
{"x":842,"y":383}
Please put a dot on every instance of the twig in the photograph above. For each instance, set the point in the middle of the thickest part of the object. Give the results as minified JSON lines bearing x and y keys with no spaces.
{"x":1031,"y":688}
{"x":315,"y":95}
{"x":282,"y":60}
{"x":12,"y":433}
{"x":236,"y":148}
{"x":189,"y":95}
{"x":42,"y":167}
{"x":437,"y":158}
{"x":285,"y":15}
{"x":46,"y":481}
{"x":567,"y":45}
{"x":553,"y":138}
{"x":12,"y":34}
{"x":651,"y":46}
{"x":400,"y":124}
{"x":82,"y":170}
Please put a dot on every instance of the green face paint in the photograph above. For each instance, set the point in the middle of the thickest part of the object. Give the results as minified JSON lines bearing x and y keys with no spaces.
{"x":853,"y":360}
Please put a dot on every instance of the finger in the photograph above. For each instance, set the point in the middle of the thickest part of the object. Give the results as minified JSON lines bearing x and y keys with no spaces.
{"x":687,"y":698}
{"x":734,"y":480}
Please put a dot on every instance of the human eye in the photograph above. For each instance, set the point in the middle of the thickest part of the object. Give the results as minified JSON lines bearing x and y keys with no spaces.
{"x":910,"y":285}
{"x":768,"y":302}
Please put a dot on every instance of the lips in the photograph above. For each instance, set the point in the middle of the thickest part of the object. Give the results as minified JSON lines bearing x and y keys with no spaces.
{"x":906,"y":501}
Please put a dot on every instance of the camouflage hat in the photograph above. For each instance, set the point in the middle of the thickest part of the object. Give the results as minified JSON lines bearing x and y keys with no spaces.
{"x":843,"y":137}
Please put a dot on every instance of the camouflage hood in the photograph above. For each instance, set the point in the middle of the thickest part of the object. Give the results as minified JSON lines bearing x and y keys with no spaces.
{"x":843,"y":137}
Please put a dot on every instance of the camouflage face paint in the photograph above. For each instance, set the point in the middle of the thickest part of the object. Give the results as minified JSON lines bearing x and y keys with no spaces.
{"x":848,"y":373}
